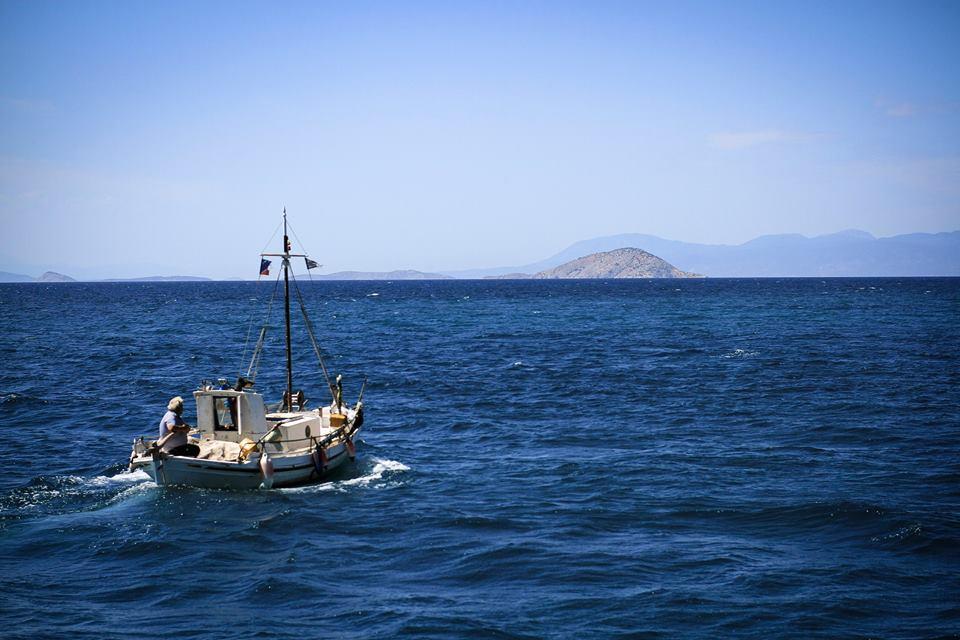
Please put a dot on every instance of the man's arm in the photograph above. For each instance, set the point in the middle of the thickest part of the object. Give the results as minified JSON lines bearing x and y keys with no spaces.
{"x":173,"y":427}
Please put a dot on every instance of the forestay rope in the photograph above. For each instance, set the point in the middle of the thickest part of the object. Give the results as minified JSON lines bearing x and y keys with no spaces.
{"x":258,"y":348}
{"x":313,"y":338}
{"x":263,"y":328}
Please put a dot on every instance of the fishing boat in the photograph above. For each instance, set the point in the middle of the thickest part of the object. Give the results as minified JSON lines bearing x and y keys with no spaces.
{"x":241,"y":442}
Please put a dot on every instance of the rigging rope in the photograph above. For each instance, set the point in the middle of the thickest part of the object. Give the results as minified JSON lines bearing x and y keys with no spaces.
{"x":246,"y":342}
{"x":258,"y":349}
{"x":256,"y":291}
{"x":267,"y":246}
{"x":313,"y":337}
{"x":303,"y":249}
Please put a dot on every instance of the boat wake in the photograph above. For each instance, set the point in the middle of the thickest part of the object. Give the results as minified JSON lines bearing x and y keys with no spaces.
{"x":58,"y":495}
{"x":55,"y":495}
{"x":124,"y":477}
{"x":378,"y":469}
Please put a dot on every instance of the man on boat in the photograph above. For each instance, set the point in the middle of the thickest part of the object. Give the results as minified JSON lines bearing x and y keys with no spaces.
{"x":173,"y":431}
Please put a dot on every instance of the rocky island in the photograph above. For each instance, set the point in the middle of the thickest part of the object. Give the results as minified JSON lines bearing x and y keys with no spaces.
{"x":53,"y":276}
{"x":627,"y":262}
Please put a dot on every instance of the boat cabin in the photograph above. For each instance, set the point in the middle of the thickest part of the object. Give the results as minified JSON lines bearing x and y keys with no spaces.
{"x":230,"y":415}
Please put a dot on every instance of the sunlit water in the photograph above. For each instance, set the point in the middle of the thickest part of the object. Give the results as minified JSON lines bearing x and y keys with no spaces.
{"x":704,"y":458}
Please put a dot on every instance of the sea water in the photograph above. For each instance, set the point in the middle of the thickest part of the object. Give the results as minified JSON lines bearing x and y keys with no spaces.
{"x":651,"y":458}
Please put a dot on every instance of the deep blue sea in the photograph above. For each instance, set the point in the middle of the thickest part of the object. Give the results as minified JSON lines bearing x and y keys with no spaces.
{"x":770,"y":458}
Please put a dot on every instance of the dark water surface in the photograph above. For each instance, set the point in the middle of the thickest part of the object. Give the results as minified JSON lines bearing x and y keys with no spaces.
{"x":704,"y":458}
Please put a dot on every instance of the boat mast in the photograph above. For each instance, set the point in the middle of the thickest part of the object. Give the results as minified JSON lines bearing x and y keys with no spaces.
{"x":288,"y":403}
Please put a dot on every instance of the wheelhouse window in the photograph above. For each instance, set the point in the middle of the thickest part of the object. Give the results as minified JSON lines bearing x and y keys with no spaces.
{"x":225,"y":414}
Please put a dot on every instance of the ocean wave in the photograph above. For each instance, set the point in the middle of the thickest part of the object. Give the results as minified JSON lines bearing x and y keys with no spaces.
{"x":899,"y":535}
{"x":864,"y":522}
{"x":916,"y":537}
{"x":848,"y":515}
{"x":21,"y":398}
{"x":739,"y":353}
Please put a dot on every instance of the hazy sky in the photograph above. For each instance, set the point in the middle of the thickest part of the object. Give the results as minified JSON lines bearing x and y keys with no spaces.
{"x":165,"y":138}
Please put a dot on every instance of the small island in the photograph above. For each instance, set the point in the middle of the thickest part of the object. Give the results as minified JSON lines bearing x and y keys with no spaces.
{"x":53,"y":276}
{"x":627,"y":262}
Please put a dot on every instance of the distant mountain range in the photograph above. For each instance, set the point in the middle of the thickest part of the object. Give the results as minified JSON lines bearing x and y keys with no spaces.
{"x":847,"y":253}
{"x":406,"y":274}
{"x":53,"y":276}
{"x":49,"y":276}
{"x":6,"y":276}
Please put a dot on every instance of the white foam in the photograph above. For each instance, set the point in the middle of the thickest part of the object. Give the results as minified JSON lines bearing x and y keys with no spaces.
{"x":132,"y":491}
{"x":380,"y":467}
{"x":900,"y":534}
{"x":124,"y":477}
{"x":739,"y":353}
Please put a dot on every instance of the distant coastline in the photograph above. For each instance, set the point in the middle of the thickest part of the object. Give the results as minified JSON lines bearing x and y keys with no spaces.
{"x":53,"y":276}
{"x":161,"y":279}
{"x":852,"y":253}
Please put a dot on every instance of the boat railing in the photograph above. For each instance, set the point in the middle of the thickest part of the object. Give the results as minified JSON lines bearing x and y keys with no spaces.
{"x":342,"y":433}
{"x":142,"y":445}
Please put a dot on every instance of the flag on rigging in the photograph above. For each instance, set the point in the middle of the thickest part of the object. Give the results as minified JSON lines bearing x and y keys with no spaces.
{"x":311,"y":264}
{"x":264,"y":267}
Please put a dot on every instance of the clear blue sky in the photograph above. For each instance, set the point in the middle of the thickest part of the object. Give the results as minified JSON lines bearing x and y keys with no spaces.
{"x":165,"y":138}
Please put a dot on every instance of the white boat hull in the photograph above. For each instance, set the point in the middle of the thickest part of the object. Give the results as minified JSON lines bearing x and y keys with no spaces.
{"x":290,"y":469}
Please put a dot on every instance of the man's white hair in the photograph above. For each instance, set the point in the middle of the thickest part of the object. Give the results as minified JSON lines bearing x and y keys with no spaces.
{"x":175,"y":403}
